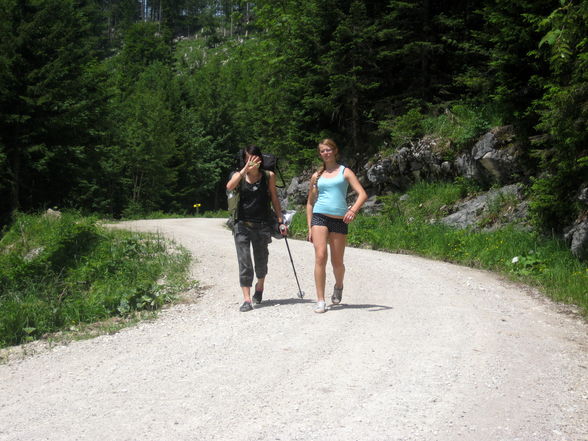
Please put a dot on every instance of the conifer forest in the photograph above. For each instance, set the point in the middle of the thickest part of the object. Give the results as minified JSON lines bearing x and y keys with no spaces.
{"x":123,"y":107}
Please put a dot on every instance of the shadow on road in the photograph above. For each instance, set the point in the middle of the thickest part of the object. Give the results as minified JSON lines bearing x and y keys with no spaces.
{"x":275,"y":302}
{"x":370,"y":308}
{"x":294,"y":301}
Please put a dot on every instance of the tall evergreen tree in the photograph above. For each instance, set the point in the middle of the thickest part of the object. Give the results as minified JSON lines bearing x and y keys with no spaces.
{"x":51,"y":99}
{"x":353,"y":76}
{"x":563,"y":115}
{"x":515,"y":77}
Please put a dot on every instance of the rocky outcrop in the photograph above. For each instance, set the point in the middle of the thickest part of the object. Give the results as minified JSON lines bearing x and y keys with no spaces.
{"x":498,"y":156}
{"x":372,"y":206}
{"x":408,"y":165}
{"x":494,"y":159}
{"x":577,"y":235}
{"x":490,"y":210}
{"x":297,"y":191}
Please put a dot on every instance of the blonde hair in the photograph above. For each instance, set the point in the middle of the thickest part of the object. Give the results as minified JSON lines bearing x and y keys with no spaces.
{"x":331,"y":144}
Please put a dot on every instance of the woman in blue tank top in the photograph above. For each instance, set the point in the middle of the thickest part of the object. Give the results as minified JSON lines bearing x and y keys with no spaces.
{"x":328,"y":215}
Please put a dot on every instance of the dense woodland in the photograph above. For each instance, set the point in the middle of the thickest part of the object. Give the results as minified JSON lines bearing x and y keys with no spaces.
{"x":122,"y":107}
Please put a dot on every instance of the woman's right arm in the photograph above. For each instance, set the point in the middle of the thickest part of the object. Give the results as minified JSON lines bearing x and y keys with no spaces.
{"x":236,"y":178}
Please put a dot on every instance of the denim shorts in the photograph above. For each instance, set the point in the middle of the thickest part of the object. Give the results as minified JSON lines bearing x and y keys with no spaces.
{"x":333,"y":225}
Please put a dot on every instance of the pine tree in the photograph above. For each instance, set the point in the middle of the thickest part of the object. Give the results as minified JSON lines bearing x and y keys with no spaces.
{"x":515,"y":77}
{"x":563,"y":116}
{"x":51,"y":99}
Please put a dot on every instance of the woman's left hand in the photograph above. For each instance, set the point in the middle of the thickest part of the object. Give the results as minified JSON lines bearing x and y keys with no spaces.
{"x":283,"y":229}
{"x":349,"y":216}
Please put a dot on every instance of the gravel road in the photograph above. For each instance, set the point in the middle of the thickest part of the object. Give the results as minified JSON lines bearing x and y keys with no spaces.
{"x":418,"y":350}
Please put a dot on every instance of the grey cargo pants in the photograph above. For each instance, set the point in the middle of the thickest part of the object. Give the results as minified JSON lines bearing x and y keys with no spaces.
{"x":251,"y":235}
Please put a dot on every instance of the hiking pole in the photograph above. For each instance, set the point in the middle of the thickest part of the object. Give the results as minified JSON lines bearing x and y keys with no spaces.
{"x":287,"y":219}
{"x":300,"y":292}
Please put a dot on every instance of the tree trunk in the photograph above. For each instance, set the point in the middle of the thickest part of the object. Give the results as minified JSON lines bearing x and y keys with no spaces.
{"x":15,"y":183}
{"x":354,"y":120}
{"x":425,"y":74}
{"x":137,"y":184}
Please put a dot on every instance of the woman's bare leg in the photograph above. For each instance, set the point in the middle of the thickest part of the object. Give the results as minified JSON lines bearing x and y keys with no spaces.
{"x":337,"y":242}
{"x":246,"y":293}
{"x":320,"y":236}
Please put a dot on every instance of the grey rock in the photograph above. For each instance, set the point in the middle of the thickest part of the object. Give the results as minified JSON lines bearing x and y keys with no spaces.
{"x":486,"y":144}
{"x":379,"y":172}
{"x":372,"y":206}
{"x":406,"y":166}
{"x":577,"y":238}
{"x":33,"y":253}
{"x":53,"y":214}
{"x":297,"y":192}
{"x":470,"y":212}
{"x":497,"y":157}
{"x":467,"y":213}
{"x":501,"y":165}
{"x":446,"y":168}
{"x":467,"y":167}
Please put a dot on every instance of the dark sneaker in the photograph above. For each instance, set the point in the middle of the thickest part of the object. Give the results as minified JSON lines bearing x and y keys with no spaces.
{"x":257,"y":297}
{"x":246,"y":306}
{"x":337,"y":295}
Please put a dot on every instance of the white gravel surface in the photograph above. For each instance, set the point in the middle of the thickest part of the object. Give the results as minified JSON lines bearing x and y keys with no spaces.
{"x":418,"y":350}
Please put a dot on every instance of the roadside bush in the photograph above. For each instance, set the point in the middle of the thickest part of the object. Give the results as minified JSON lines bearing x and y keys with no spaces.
{"x":56,"y":273}
{"x":460,"y":124}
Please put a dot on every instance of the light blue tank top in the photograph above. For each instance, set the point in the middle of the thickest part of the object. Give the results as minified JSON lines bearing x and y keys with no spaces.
{"x":332,"y":194}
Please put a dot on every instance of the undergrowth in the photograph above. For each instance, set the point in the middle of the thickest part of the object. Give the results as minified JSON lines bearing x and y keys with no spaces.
{"x":163,"y":215}
{"x":459,"y":124}
{"x":58,"y":273}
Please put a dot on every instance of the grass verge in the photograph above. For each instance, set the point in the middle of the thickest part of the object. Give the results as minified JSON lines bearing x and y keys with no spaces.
{"x":164,"y":215}
{"x":408,"y":226}
{"x":57,"y":274}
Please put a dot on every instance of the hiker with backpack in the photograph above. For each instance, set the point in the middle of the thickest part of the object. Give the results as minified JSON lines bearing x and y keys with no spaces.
{"x":328,"y":216}
{"x":254,"y":189}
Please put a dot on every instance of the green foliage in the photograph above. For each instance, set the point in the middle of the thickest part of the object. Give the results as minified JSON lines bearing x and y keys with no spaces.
{"x":527,"y":265}
{"x":514,"y":76}
{"x":462,"y":124}
{"x":467,"y":186}
{"x":59,"y":272}
{"x":563,"y":112}
{"x":144,"y":44}
{"x":52,"y":100}
{"x":423,"y":202}
{"x":406,"y":128}
{"x":115,"y":109}
{"x":498,"y":209}
{"x":147,"y":138}
{"x":459,"y":125}
{"x":553,"y":204}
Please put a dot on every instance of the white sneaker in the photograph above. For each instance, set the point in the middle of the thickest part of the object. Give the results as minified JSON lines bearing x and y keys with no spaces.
{"x":320,"y":307}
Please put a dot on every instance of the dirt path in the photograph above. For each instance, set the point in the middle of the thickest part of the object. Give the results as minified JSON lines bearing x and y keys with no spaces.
{"x":419,"y":350}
